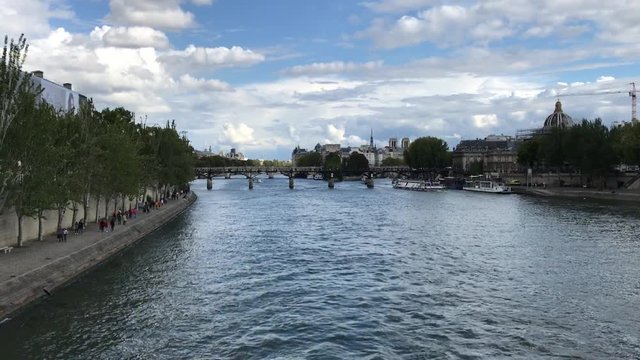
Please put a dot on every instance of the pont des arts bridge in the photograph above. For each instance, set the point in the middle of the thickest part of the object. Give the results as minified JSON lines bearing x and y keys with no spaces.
{"x":292,"y":172}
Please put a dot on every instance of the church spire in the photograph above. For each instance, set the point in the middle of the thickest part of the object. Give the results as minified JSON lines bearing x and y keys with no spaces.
{"x":371,"y":139}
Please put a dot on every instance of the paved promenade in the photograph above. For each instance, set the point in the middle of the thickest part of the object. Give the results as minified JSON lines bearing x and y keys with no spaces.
{"x":580,"y":193}
{"x":18,"y":267}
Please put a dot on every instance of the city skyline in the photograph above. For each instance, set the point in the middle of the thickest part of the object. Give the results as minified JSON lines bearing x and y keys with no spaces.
{"x":263,"y":77}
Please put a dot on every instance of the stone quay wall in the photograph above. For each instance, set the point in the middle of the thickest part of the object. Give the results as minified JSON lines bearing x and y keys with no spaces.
{"x":39,"y":282}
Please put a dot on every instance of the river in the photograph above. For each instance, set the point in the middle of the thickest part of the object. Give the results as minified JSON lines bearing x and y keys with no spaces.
{"x":355,"y":273}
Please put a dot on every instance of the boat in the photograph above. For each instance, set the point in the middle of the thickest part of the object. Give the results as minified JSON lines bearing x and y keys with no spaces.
{"x":483,"y":184}
{"x":417,"y":185}
{"x":318,"y":177}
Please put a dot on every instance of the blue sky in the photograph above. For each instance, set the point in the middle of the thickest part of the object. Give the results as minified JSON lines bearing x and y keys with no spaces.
{"x":265,"y":76}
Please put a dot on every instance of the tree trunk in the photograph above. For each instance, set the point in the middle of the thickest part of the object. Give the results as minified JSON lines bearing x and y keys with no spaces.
{"x":60,"y":217}
{"x":106,"y":207}
{"x":74,"y":206}
{"x":85,"y":207}
{"x":122,"y":202}
{"x":97,"y":208}
{"x":40,"y":230}
{"x":19,"y":231}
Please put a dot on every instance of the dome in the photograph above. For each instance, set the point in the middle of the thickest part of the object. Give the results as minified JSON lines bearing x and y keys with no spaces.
{"x":558,"y":119}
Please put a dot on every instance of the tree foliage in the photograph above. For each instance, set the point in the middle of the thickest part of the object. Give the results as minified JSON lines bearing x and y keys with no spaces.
{"x":427,"y":153}
{"x":310,"y":159}
{"x":356,"y":163}
{"x":390,"y":161}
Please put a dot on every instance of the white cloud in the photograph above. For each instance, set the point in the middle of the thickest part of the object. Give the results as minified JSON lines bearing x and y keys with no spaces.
{"x":240,"y":134}
{"x":605,"y":79}
{"x":15,"y":21}
{"x":397,"y":6}
{"x":485,"y":120}
{"x":189,"y":83}
{"x":202,"y":57}
{"x":335,"y":134}
{"x":202,"y":2}
{"x":130,"y":37}
{"x":162,"y":14}
{"x":333,"y":68}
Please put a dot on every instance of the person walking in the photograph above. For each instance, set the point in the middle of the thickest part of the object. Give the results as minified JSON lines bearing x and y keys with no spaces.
{"x":113,"y":223}
{"x":65,"y":232}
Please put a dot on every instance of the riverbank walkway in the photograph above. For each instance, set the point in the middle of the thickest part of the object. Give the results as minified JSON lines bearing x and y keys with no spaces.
{"x":36,"y":254}
{"x":580,"y":193}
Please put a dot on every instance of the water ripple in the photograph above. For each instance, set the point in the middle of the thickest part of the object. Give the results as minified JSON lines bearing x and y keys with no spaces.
{"x":355,"y":273}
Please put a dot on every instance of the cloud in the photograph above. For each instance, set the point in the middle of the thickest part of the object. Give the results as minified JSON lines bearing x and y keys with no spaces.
{"x":332,"y":68}
{"x":161,"y":14}
{"x":240,"y":134}
{"x":605,"y":79}
{"x":37,"y":24}
{"x":335,"y":135}
{"x":130,"y":37}
{"x":211,"y":58}
{"x":494,"y":20}
{"x":397,"y":6}
{"x":485,"y":120}
{"x":189,"y":83}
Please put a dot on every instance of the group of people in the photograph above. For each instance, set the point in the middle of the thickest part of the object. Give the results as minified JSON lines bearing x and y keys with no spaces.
{"x":107,"y":224}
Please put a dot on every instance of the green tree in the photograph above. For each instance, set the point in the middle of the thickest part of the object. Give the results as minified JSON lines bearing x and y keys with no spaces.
{"x":427,"y":153}
{"x":356,"y":163}
{"x":310,"y":159}
{"x":528,"y":152}
{"x":15,"y":86}
{"x":30,"y":191}
{"x":390,"y":161}
{"x":589,"y":149}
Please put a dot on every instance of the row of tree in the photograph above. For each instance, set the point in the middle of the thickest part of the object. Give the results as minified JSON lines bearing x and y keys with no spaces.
{"x":425,"y":153}
{"x":589,"y":147}
{"x":58,"y":160}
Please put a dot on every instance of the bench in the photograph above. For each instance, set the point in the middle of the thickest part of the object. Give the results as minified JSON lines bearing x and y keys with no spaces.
{"x":6,"y":249}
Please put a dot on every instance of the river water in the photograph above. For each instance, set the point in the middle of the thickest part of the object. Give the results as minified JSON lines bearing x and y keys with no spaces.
{"x":355,"y":273}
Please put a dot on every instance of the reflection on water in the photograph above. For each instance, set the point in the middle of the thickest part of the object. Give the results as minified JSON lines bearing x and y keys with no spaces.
{"x":314,"y":273}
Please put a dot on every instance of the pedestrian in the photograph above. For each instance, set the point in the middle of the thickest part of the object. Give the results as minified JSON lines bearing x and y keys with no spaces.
{"x":81,"y":226}
{"x":113,"y":223}
{"x":65,"y":232}
{"x":124,"y":219}
{"x":59,"y":234}
{"x":76,"y":227}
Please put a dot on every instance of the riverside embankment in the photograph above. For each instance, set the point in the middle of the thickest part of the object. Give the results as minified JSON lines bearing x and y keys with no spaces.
{"x":580,"y":193}
{"x":38,"y":269}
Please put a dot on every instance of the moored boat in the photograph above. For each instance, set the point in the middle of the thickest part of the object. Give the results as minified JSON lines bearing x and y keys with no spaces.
{"x":487,"y":186}
{"x":417,"y":185}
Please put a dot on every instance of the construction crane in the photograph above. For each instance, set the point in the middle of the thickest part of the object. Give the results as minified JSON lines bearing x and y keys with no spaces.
{"x":632,"y":93}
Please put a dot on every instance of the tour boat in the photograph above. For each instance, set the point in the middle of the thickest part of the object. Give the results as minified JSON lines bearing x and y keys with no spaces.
{"x":487,"y":186}
{"x":417,"y":185}
{"x":318,"y":177}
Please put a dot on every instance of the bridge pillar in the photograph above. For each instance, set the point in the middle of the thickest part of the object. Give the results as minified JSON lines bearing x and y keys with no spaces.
{"x":369,"y":183}
{"x":270,"y":175}
{"x":250,"y":183}
{"x":227,"y":176}
{"x":209,"y":183}
{"x":291,"y":182}
{"x":331,"y":181}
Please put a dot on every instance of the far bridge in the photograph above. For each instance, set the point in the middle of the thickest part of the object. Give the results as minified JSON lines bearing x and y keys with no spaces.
{"x":250,"y":172}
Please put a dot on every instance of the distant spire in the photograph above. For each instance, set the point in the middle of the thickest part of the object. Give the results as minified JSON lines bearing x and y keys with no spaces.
{"x":371,"y":139}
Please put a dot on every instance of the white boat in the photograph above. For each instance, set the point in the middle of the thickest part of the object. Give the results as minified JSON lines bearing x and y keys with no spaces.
{"x":486,"y":186}
{"x":417,"y":185}
{"x":318,"y":177}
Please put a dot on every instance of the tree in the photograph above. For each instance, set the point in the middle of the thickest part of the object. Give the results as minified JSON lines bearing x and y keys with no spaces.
{"x":310,"y":159}
{"x":390,"y":161}
{"x":14,"y":86}
{"x":528,"y":152}
{"x":588,"y":148}
{"x":356,"y":163}
{"x":427,"y":153}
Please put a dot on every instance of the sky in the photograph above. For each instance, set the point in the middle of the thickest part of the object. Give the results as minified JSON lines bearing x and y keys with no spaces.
{"x":266,"y":76}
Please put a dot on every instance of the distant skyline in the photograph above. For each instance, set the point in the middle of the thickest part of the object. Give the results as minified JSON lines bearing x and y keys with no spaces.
{"x":266,"y":76}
